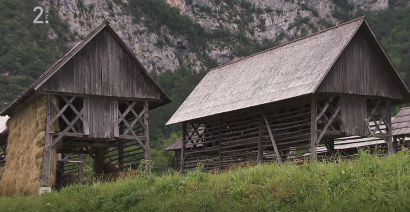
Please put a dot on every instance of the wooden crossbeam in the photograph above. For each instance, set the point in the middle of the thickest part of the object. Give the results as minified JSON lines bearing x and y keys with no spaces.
{"x":332,"y":110}
{"x":60,"y":114}
{"x":73,"y":108}
{"x":325,"y":117}
{"x":279,"y":158}
{"x":370,"y":118}
{"x":138,"y":115}
{"x":384,"y":119}
{"x":132,"y":132}
{"x":55,"y":141}
{"x":323,"y":110}
{"x":137,"y":119}
{"x":126,"y":111}
{"x":330,"y":121}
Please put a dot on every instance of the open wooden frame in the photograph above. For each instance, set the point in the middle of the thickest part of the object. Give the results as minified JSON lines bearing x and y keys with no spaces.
{"x":130,"y":131}
{"x":287,"y":130}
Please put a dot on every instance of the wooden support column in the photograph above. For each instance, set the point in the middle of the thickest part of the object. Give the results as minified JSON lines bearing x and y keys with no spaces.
{"x":279,"y":158}
{"x":220,"y":144}
{"x":146,"y":143}
{"x":46,"y":171}
{"x":260,"y":151}
{"x":183,"y":126}
{"x":81,"y":169}
{"x":389,"y":139}
{"x":313,"y":130}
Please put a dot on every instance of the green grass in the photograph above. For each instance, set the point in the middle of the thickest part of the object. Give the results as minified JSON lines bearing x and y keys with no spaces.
{"x":368,"y":183}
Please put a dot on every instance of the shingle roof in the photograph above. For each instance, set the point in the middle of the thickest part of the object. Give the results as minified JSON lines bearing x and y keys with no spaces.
{"x":401,"y":122}
{"x":290,"y":70}
{"x":64,"y":59}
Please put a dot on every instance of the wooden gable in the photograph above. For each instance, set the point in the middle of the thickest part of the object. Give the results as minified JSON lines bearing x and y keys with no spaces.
{"x":103,"y":68}
{"x":362,"y":69}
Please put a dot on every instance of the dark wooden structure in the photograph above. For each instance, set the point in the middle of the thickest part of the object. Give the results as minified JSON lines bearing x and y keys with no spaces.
{"x":98,"y":96}
{"x":289,"y":100}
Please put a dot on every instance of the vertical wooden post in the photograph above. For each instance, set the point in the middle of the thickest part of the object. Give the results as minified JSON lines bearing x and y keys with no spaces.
{"x":121,"y":155}
{"x":45,"y":172}
{"x":275,"y":148}
{"x":260,"y":153}
{"x":183,"y":126}
{"x":81,"y":169}
{"x":313,"y":129}
{"x":220,"y":144}
{"x":390,"y":144}
{"x":146,"y":133}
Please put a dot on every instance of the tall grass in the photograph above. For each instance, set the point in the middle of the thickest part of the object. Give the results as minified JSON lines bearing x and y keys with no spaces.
{"x":368,"y":183}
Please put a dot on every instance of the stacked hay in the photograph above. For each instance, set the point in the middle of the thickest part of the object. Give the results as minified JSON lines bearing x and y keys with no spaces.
{"x":25,"y":150}
{"x":1,"y":172}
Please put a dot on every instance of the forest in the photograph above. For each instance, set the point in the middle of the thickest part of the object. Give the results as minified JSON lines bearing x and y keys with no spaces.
{"x":28,"y":49}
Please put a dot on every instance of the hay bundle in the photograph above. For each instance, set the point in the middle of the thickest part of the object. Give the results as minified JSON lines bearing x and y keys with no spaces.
{"x":1,"y":172}
{"x":25,"y":150}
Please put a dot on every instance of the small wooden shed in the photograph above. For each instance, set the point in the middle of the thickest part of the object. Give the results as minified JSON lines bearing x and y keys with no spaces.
{"x":286,"y":101}
{"x":94,"y":101}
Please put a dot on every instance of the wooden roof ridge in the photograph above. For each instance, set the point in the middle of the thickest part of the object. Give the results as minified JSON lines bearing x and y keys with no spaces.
{"x":70,"y":54}
{"x":290,"y":42}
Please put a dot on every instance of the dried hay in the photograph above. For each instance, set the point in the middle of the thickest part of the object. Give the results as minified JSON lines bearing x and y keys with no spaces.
{"x":1,"y":172}
{"x":25,"y":150}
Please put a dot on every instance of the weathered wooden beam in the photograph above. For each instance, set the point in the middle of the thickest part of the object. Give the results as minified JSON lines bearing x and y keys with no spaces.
{"x":46,"y":171}
{"x":260,"y":150}
{"x":81,"y":169}
{"x":392,"y":149}
{"x":313,"y":129}
{"x":279,"y":158}
{"x":146,"y":133}
{"x":183,"y":130}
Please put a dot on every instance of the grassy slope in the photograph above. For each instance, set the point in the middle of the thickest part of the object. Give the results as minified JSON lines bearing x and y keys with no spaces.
{"x":369,"y":183}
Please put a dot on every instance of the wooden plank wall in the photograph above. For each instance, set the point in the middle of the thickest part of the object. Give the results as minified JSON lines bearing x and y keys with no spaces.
{"x":359,"y":71}
{"x":353,"y":113}
{"x":102,"y":68}
{"x":102,"y":116}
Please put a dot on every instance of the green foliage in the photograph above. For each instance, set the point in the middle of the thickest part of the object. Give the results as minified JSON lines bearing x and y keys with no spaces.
{"x":178,"y":85}
{"x":26,"y":50}
{"x":325,"y":23}
{"x":370,"y":183}
{"x":398,"y":3}
{"x":314,"y":11}
{"x":343,"y":12}
{"x":160,"y":157}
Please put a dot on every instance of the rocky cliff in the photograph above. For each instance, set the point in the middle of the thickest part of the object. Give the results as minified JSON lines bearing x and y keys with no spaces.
{"x":161,"y":49}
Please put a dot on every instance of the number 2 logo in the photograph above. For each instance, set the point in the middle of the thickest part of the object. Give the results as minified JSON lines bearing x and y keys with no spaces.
{"x":36,"y":21}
